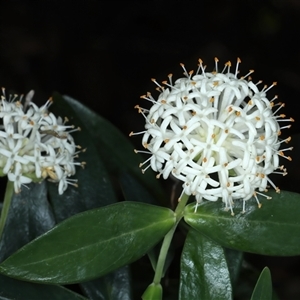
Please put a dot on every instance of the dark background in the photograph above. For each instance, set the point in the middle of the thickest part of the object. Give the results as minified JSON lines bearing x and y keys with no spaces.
{"x":104,"y":53}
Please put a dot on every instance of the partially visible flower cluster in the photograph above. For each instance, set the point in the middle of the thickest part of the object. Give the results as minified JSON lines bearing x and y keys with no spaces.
{"x":34,"y":144}
{"x":217,"y":133}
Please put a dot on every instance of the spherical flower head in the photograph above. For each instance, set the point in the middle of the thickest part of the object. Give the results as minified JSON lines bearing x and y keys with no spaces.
{"x":35,"y":144}
{"x":215,"y":132}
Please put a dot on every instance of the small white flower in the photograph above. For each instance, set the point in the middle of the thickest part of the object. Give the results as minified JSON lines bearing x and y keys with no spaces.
{"x":17,"y":178}
{"x":34,"y":144}
{"x":217,"y":133}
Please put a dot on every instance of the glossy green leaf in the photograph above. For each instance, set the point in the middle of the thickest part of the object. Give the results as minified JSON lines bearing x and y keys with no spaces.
{"x":234,"y":261}
{"x":12,"y":289}
{"x":153,"y":292}
{"x":91,"y":244}
{"x":95,"y":189}
{"x":204,"y":273}
{"x":113,"y":286}
{"x":115,"y":148}
{"x":263,"y":287}
{"x":29,"y":216}
{"x":272,"y":229}
{"x":94,"y":186}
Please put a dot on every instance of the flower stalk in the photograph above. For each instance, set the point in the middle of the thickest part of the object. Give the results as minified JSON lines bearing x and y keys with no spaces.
{"x":168,"y":238}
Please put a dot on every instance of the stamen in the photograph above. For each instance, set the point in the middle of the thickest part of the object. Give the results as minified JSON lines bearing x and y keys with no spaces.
{"x":159,"y":87}
{"x":227,"y":66}
{"x":200,"y":66}
{"x":237,"y":67}
{"x":170,"y":79}
{"x":274,"y":98}
{"x":273,"y":84}
{"x":216,"y":133}
{"x":216,"y":64}
{"x":250,"y":72}
{"x":137,"y":133}
{"x":149,"y":98}
{"x":184,"y":69}
{"x":281,"y":106}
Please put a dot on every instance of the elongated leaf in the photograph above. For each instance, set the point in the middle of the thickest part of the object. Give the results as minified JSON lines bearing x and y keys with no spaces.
{"x":91,"y":244}
{"x":12,"y":289}
{"x":114,"y":147}
{"x":95,"y":188}
{"x":113,"y":286}
{"x":272,"y":229}
{"x":234,"y":261}
{"x":263,"y":287}
{"x":29,"y":216}
{"x":204,"y":272}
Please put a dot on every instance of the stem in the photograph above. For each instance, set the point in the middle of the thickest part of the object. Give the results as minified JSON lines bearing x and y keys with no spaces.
{"x":6,"y":204}
{"x":167,"y":240}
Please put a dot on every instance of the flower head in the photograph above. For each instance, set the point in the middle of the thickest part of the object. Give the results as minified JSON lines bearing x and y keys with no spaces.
{"x":215,"y":132}
{"x":34,"y":144}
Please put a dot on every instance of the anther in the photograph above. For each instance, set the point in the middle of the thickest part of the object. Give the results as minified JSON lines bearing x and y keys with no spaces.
{"x":216,"y":64}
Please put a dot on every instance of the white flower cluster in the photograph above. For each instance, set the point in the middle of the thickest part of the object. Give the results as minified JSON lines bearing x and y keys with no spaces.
{"x":217,"y":133}
{"x":34,"y":144}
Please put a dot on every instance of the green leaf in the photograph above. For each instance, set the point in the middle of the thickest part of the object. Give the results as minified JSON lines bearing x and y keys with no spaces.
{"x":115,"y":148}
{"x":91,"y":244}
{"x":234,"y":261}
{"x":263,"y":287}
{"x":272,"y":229}
{"x":113,"y":286}
{"x":12,"y":289}
{"x":204,"y":272}
{"x":95,"y":188}
{"x":29,"y":216}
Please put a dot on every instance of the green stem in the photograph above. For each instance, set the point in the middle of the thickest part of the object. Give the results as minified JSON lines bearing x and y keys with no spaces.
{"x":6,"y":204}
{"x":167,"y":240}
